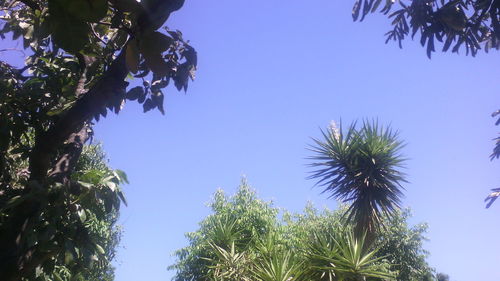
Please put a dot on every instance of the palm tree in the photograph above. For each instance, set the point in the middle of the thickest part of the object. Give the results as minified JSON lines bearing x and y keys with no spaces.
{"x":361,"y":167}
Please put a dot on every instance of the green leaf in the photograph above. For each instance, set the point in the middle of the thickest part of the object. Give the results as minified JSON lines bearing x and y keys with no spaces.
{"x":135,"y":93}
{"x":155,"y":42}
{"x":100,"y":249}
{"x":121,"y":175}
{"x":87,"y":10}
{"x":122,"y":197}
{"x":148,"y":105}
{"x":152,"y":45}
{"x":68,"y":32}
{"x":156,"y":63}
{"x":111,"y":185}
{"x":57,"y":277}
{"x":82,"y":215}
{"x":132,"y":56}
{"x":86,"y":184}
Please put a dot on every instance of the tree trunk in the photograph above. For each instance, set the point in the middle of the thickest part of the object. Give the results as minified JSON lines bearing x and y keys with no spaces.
{"x":65,"y":138}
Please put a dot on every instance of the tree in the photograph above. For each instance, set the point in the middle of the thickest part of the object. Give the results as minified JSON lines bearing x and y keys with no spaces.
{"x":234,"y":225}
{"x":454,"y":23}
{"x":76,"y":230}
{"x":403,"y":246}
{"x":361,"y":167}
{"x":246,"y":238}
{"x":79,"y":55}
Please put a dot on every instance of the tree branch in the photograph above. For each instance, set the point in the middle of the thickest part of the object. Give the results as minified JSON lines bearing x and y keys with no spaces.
{"x":91,"y":104}
{"x":67,"y":161}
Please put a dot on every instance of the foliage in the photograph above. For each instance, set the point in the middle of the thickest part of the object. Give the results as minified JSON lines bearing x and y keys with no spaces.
{"x":234,"y":224}
{"x":79,"y":55}
{"x":275,"y":263}
{"x":442,"y":277}
{"x":76,"y":229}
{"x":398,"y":243}
{"x":343,"y":257}
{"x":228,"y":264}
{"x":361,"y":167}
{"x":455,"y":24}
{"x":473,"y":24}
{"x":496,"y":150}
{"x":496,"y":154}
{"x":402,"y":245}
{"x":248,"y":239}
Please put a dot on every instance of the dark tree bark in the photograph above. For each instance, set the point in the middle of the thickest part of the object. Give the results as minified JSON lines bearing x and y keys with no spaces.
{"x":107,"y":91}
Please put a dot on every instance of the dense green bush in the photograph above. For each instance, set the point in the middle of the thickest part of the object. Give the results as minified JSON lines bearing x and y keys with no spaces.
{"x":75,"y":236}
{"x":246,"y":238}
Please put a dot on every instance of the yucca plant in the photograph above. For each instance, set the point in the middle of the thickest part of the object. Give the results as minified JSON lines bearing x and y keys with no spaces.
{"x":356,"y":262}
{"x":229,"y":264}
{"x":229,"y":259}
{"x":361,"y":167}
{"x":343,"y":258}
{"x":318,"y":257}
{"x":277,"y":264}
{"x":282,"y":266}
{"x":225,"y":231}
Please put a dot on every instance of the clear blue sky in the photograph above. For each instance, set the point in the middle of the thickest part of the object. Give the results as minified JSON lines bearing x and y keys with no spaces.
{"x":270,"y":75}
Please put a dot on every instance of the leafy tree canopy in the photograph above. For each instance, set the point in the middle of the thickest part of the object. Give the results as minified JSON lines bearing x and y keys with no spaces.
{"x":455,"y":24}
{"x":246,"y":237}
{"x":81,"y":56}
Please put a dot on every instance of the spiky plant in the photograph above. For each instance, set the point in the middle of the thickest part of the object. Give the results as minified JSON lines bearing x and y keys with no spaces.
{"x":361,"y":167}
{"x":229,"y":264}
{"x":275,"y":262}
{"x":281,"y":266}
{"x":343,"y":258}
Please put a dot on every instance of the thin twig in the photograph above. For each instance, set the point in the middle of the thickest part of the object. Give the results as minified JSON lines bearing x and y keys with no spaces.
{"x":96,"y":35}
